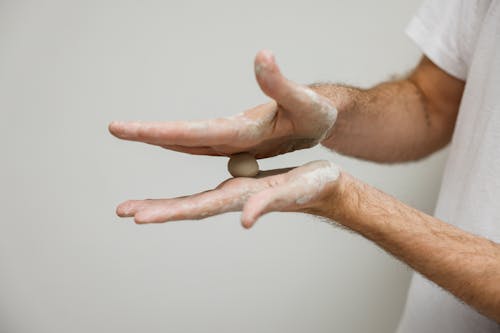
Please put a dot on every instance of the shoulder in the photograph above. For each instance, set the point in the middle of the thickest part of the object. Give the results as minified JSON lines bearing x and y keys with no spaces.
{"x":446,"y":31}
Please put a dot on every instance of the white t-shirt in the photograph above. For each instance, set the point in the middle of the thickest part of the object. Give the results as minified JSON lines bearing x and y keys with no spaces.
{"x":463,"y":38}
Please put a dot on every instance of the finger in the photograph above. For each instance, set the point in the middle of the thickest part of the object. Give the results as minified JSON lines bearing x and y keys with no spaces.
{"x":193,"y":207}
{"x":273,"y":199}
{"x":193,"y":150}
{"x":287,"y":93}
{"x":130,"y":207}
{"x":273,"y":172}
{"x":183,"y":133}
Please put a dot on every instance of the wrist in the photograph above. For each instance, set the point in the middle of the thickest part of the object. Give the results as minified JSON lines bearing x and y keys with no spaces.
{"x":333,"y":201}
{"x":346,"y":203}
{"x":343,"y":98}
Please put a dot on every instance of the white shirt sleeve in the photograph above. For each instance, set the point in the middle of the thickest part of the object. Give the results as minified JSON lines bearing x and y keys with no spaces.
{"x":437,"y":29}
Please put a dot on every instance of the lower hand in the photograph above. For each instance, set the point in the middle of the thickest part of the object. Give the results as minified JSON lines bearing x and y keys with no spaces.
{"x":300,"y":189}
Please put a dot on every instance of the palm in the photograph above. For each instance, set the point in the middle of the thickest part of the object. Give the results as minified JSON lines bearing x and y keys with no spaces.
{"x":265,"y":131}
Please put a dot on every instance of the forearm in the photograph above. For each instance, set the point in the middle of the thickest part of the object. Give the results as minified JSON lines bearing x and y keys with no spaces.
{"x":397,"y":120}
{"x":387,"y":123}
{"x":466,"y":265}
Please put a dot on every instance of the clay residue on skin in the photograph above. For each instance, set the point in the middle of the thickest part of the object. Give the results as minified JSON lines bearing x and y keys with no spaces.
{"x":316,"y":180}
{"x":208,"y":206}
{"x":328,"y":112}
{"x":251,"y":129}
{"x":259,"y":68}
{"x":248,"y":129}
{"x":198,"y":125}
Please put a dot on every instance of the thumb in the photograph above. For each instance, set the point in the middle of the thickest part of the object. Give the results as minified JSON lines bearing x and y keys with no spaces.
{"x":289,"y":94}
{"x":272,"y":199}
{"x":297,"y":191}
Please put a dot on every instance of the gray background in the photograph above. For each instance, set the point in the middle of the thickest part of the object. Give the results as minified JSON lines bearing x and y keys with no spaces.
{"x":68,"y":264}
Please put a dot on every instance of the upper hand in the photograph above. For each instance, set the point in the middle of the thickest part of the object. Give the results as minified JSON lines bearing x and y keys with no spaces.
{"x":297,"y":118}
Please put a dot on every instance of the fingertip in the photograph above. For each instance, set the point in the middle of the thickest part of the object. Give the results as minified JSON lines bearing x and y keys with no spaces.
{"x":141,"y":218}
{"x":246,"y":225}
{"x":254,"y":208}
{"x":247,"y":221}
{"x":268,"y":74}
{"x":121,"y":210}
{"x":123,"y":130}
{"x":264,"y":59}
{"x":269,"y":77}
{"x":266,"y":53}
{"x":113,"y":127}
{"x":136,"y":221}
{"x":127,"y":208}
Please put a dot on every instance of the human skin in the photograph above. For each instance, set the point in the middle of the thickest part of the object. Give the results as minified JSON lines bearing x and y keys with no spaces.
{"x":395,"y":121}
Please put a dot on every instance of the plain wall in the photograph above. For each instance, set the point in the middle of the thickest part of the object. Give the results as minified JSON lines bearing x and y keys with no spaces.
{"x":68,"y":264}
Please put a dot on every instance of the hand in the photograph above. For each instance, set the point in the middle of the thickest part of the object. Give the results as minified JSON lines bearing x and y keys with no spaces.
{"x":297,"y":118}
{"x":302,"y":189}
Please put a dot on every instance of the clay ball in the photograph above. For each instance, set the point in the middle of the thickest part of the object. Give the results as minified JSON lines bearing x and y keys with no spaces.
{"x":243,"y":165}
